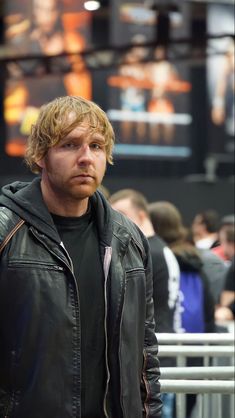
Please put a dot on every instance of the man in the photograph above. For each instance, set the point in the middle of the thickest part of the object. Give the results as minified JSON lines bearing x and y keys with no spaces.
{"x":205,"y":228}
{"x":223,"y":251}
{"x":226,"y":310}
{"x":166,"y":272}
{"x":76,"y":312}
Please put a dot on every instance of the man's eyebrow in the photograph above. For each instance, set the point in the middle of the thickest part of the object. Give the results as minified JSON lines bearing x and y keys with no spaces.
{"x":97,"y":136}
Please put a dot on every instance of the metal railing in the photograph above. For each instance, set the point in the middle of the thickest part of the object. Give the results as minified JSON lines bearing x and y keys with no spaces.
{"x":212,"y":382}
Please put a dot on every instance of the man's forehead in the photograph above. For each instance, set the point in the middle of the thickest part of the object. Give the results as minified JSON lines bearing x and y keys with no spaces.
{"x":87,"y":120}
{"x":84,"y":129}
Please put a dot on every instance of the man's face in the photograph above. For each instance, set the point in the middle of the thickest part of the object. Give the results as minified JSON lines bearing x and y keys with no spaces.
{"x":125,"y":207}
{"x":228,"y":247}
{"x":45,"y":14}
{"x":74,"y":168}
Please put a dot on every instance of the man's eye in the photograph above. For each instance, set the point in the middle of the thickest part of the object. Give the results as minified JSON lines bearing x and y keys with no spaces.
{"x":69,"y":145}
{"x":96,"y":146}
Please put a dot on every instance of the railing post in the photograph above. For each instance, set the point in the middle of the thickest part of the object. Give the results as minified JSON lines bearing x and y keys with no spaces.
{"x":206,"y":400}
{"x":214,"y":385}
{"x":181,"y":397}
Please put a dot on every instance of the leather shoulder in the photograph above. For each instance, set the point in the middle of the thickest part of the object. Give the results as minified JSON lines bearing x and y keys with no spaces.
{"x":8,"y":221}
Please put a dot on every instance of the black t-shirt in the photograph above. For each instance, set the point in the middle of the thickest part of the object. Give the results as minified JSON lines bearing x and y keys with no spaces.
{"x":80,"y":238}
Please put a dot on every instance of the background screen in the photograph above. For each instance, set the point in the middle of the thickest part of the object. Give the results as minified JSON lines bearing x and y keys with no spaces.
{"x":149,"y":93}
{"x":220,"y":80}
{"x":42,"y":28}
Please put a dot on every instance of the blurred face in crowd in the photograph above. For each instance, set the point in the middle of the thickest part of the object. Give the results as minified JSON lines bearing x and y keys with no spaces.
{"x":126,"y":207}
{"x":198,"y":228}
{"x":228,"y":245}
{"x":74,"y":168}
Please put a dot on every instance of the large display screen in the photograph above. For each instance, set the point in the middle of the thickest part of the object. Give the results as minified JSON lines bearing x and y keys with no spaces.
{"x":42,"y":28}
{"x":220,"y":76}
{"x":149,"y":93}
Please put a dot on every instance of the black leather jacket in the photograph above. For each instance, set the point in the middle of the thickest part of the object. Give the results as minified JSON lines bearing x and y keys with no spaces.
{"x":39,"y":315}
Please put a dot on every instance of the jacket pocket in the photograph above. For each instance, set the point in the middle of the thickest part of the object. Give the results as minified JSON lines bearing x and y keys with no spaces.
{"x":135,"y":273}
{"x":34,"y":264}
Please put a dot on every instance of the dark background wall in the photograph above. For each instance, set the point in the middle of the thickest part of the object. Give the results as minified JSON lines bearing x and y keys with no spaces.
{"x":189,"y":196}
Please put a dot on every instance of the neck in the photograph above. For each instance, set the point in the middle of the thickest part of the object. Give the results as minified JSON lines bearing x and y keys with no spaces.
{"x":147,"y":228}
{"x":208,"y":235}
{"x":66,"y":206}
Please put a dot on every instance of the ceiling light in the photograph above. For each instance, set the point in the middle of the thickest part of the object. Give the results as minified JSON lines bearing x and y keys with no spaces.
{"x":92,"y":5}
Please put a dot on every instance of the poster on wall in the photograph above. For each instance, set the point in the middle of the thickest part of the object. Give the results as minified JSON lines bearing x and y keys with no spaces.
{"x":42,"y":28}
{"x":220,"y":80}
{"x":149,"y":92}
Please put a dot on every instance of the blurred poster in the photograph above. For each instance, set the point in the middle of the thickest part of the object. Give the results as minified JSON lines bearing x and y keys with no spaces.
{"x":149,"y":93}
{"x":42,"y":28}
{"x":221,"y":86}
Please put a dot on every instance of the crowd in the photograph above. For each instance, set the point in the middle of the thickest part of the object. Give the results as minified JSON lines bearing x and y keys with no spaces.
{"x":88,"y":279}
{"x":196,"y":291}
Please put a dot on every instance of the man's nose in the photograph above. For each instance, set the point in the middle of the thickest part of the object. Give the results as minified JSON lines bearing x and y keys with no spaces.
{"x":85,"y":153}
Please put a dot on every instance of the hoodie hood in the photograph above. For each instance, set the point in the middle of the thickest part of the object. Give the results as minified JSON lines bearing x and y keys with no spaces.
{"x":102,"y":212}
{"x":187,"y":256}
{"x":26,"y":200}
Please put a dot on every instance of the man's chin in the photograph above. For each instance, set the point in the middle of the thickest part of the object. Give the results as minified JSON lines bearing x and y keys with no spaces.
{"x":84,"y":192}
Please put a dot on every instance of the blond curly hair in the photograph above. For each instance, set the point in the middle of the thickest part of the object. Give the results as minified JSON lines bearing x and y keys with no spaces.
{"x":57,"y":119}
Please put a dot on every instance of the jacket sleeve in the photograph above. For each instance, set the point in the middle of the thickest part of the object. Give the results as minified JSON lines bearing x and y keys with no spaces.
{"x":150,"y":387}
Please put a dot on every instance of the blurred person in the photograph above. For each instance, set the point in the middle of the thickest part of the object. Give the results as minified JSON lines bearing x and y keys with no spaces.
{"x":166,"y":273}
{"x":226,"y":310}
{"x":216,"y":270}
{"x":205,"y":228}
{"x":221,"y":249}
{"x":134,"y":205}
{"x":51,"y":34}
{"x":162,"y":73}
{"x":47,"y":30}
{"x":168,"y":223}
{"x":166,"y":82}
{"x":227,"y":240}
{"x":131,"y":79}
{"x":44,"y":33}
{"x":214,"y":267}
{"x":223,"y":109}
{"x":76,"y":310}
{"x":197,"y":304}
{"x":227,"y":299}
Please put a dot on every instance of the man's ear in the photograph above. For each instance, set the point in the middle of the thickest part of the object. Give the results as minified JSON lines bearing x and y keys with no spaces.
{"x":142,"y":215}
{"x":41,"y":163}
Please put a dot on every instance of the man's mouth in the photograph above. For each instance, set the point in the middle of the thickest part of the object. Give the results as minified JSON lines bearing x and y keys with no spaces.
{"x":83,"y":176}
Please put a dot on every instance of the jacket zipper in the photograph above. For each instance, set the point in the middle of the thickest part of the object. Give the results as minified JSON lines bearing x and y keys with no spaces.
{"x":106,"y":265}
{"x":18,"y":263}
{"x":78,"y":301}
{"x":119,"y":352}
